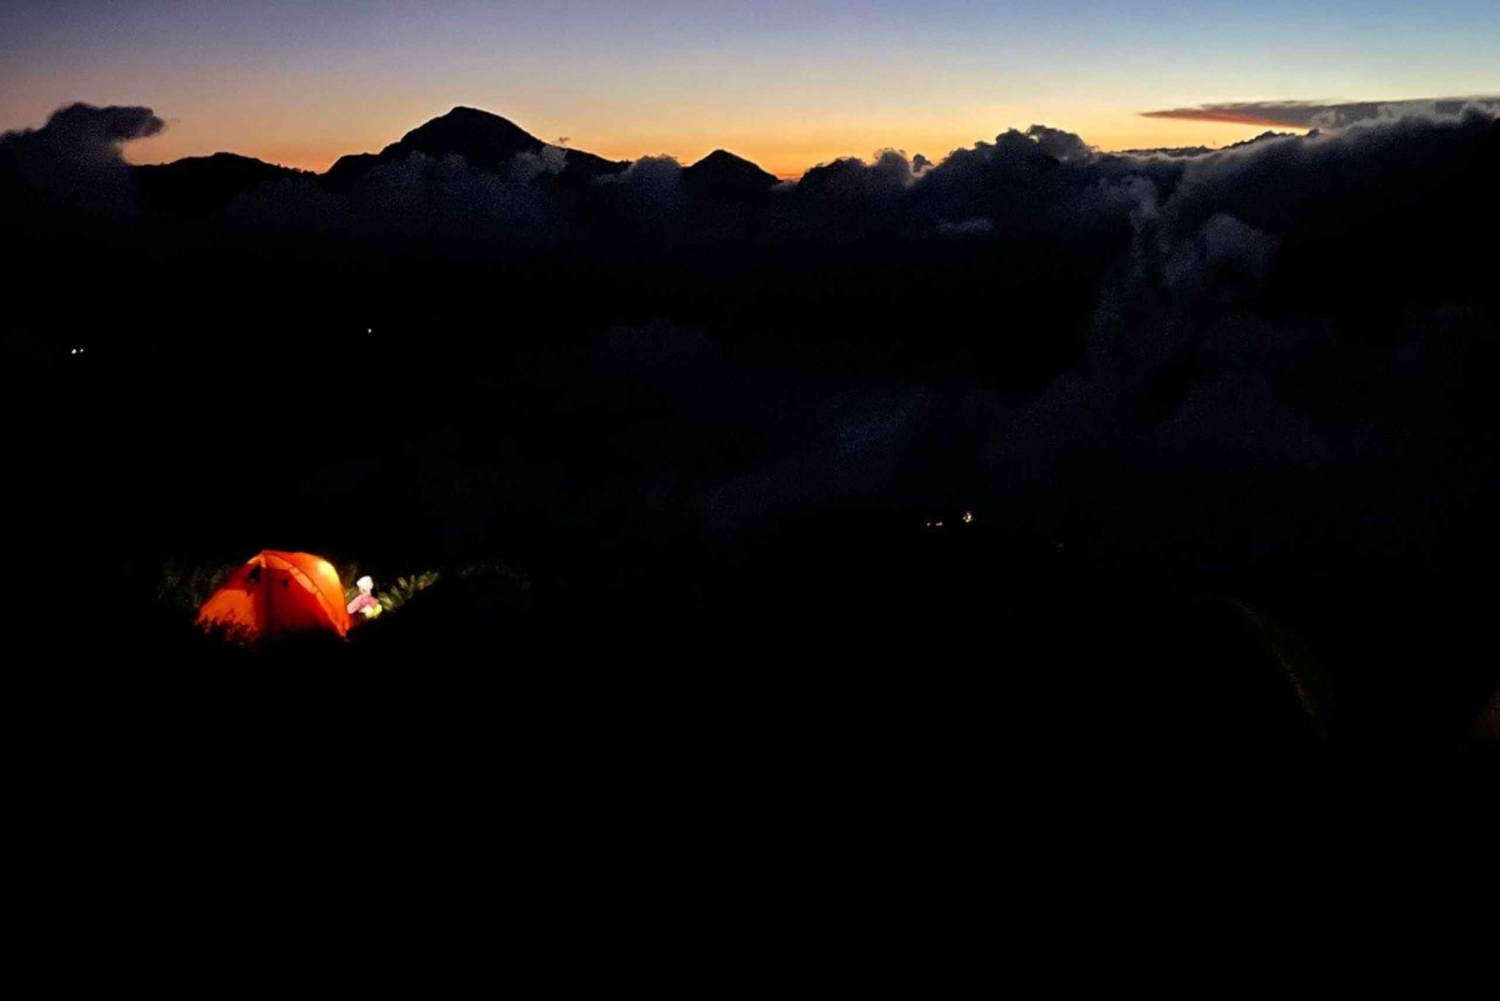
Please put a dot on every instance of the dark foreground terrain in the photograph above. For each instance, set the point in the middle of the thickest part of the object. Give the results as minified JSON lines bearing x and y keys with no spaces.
{"x":677,"y":442}
{"x":607,"y":572}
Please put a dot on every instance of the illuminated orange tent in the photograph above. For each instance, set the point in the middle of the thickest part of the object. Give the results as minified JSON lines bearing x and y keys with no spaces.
{"x":278,"y":593}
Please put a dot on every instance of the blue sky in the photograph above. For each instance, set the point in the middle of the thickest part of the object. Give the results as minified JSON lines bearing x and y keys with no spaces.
{"x":787,"y":83}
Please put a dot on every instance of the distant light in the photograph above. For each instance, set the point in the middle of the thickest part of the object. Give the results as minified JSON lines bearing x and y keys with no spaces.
{"x":968,"y":517}
{"x":369,"y":330}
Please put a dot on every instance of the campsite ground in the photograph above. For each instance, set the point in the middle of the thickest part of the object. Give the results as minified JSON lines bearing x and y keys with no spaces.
{"x":642,"y":530}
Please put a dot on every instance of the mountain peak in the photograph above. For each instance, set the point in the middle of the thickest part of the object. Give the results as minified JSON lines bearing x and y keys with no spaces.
{"x":723,"y":174}
{"x":484,"y":139}
{"x":463,"y":109}
{"x":722,"y":158}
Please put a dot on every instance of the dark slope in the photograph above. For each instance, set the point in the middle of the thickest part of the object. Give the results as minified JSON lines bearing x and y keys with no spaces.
{"x":199,"y":185}
{"x":722,"y":175}
{"x":484,"y":140}
{"x":348,"y":169}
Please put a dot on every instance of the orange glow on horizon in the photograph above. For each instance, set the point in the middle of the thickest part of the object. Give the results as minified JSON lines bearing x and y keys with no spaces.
{"x":786,"y":156}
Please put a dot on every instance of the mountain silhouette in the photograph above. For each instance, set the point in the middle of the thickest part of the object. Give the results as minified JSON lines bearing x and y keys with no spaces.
{"x":198,"y":185}
{"x":348,"y":169}
{"x":722,"y":175}
{"x":485,"y":140}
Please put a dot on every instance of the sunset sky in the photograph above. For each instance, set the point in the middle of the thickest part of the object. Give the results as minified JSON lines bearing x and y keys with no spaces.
{"x":787,"y":84}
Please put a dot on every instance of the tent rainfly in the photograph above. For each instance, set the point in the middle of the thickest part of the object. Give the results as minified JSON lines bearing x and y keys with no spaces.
{"x":278,"y":593}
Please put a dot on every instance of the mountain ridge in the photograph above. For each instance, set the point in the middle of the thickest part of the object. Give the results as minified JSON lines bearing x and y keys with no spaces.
{"x":722,"y":174}
{"x":482,"y":138}
{"x":486,"y":141}
{"x":196,"y":185}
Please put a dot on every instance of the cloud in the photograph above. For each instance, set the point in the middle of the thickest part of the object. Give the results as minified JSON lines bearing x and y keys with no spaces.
{"x":1319,"y":115}
{"x":1066,"y":147}
{"x":72,"y":168}
{"x":1273,"y":345}
{"x":651,"y":193}
{"x":114,"y":124}
{"x":81,"y":135}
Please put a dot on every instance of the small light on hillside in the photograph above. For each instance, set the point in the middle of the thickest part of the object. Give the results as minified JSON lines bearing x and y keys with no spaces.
{"x":968,"y":517}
